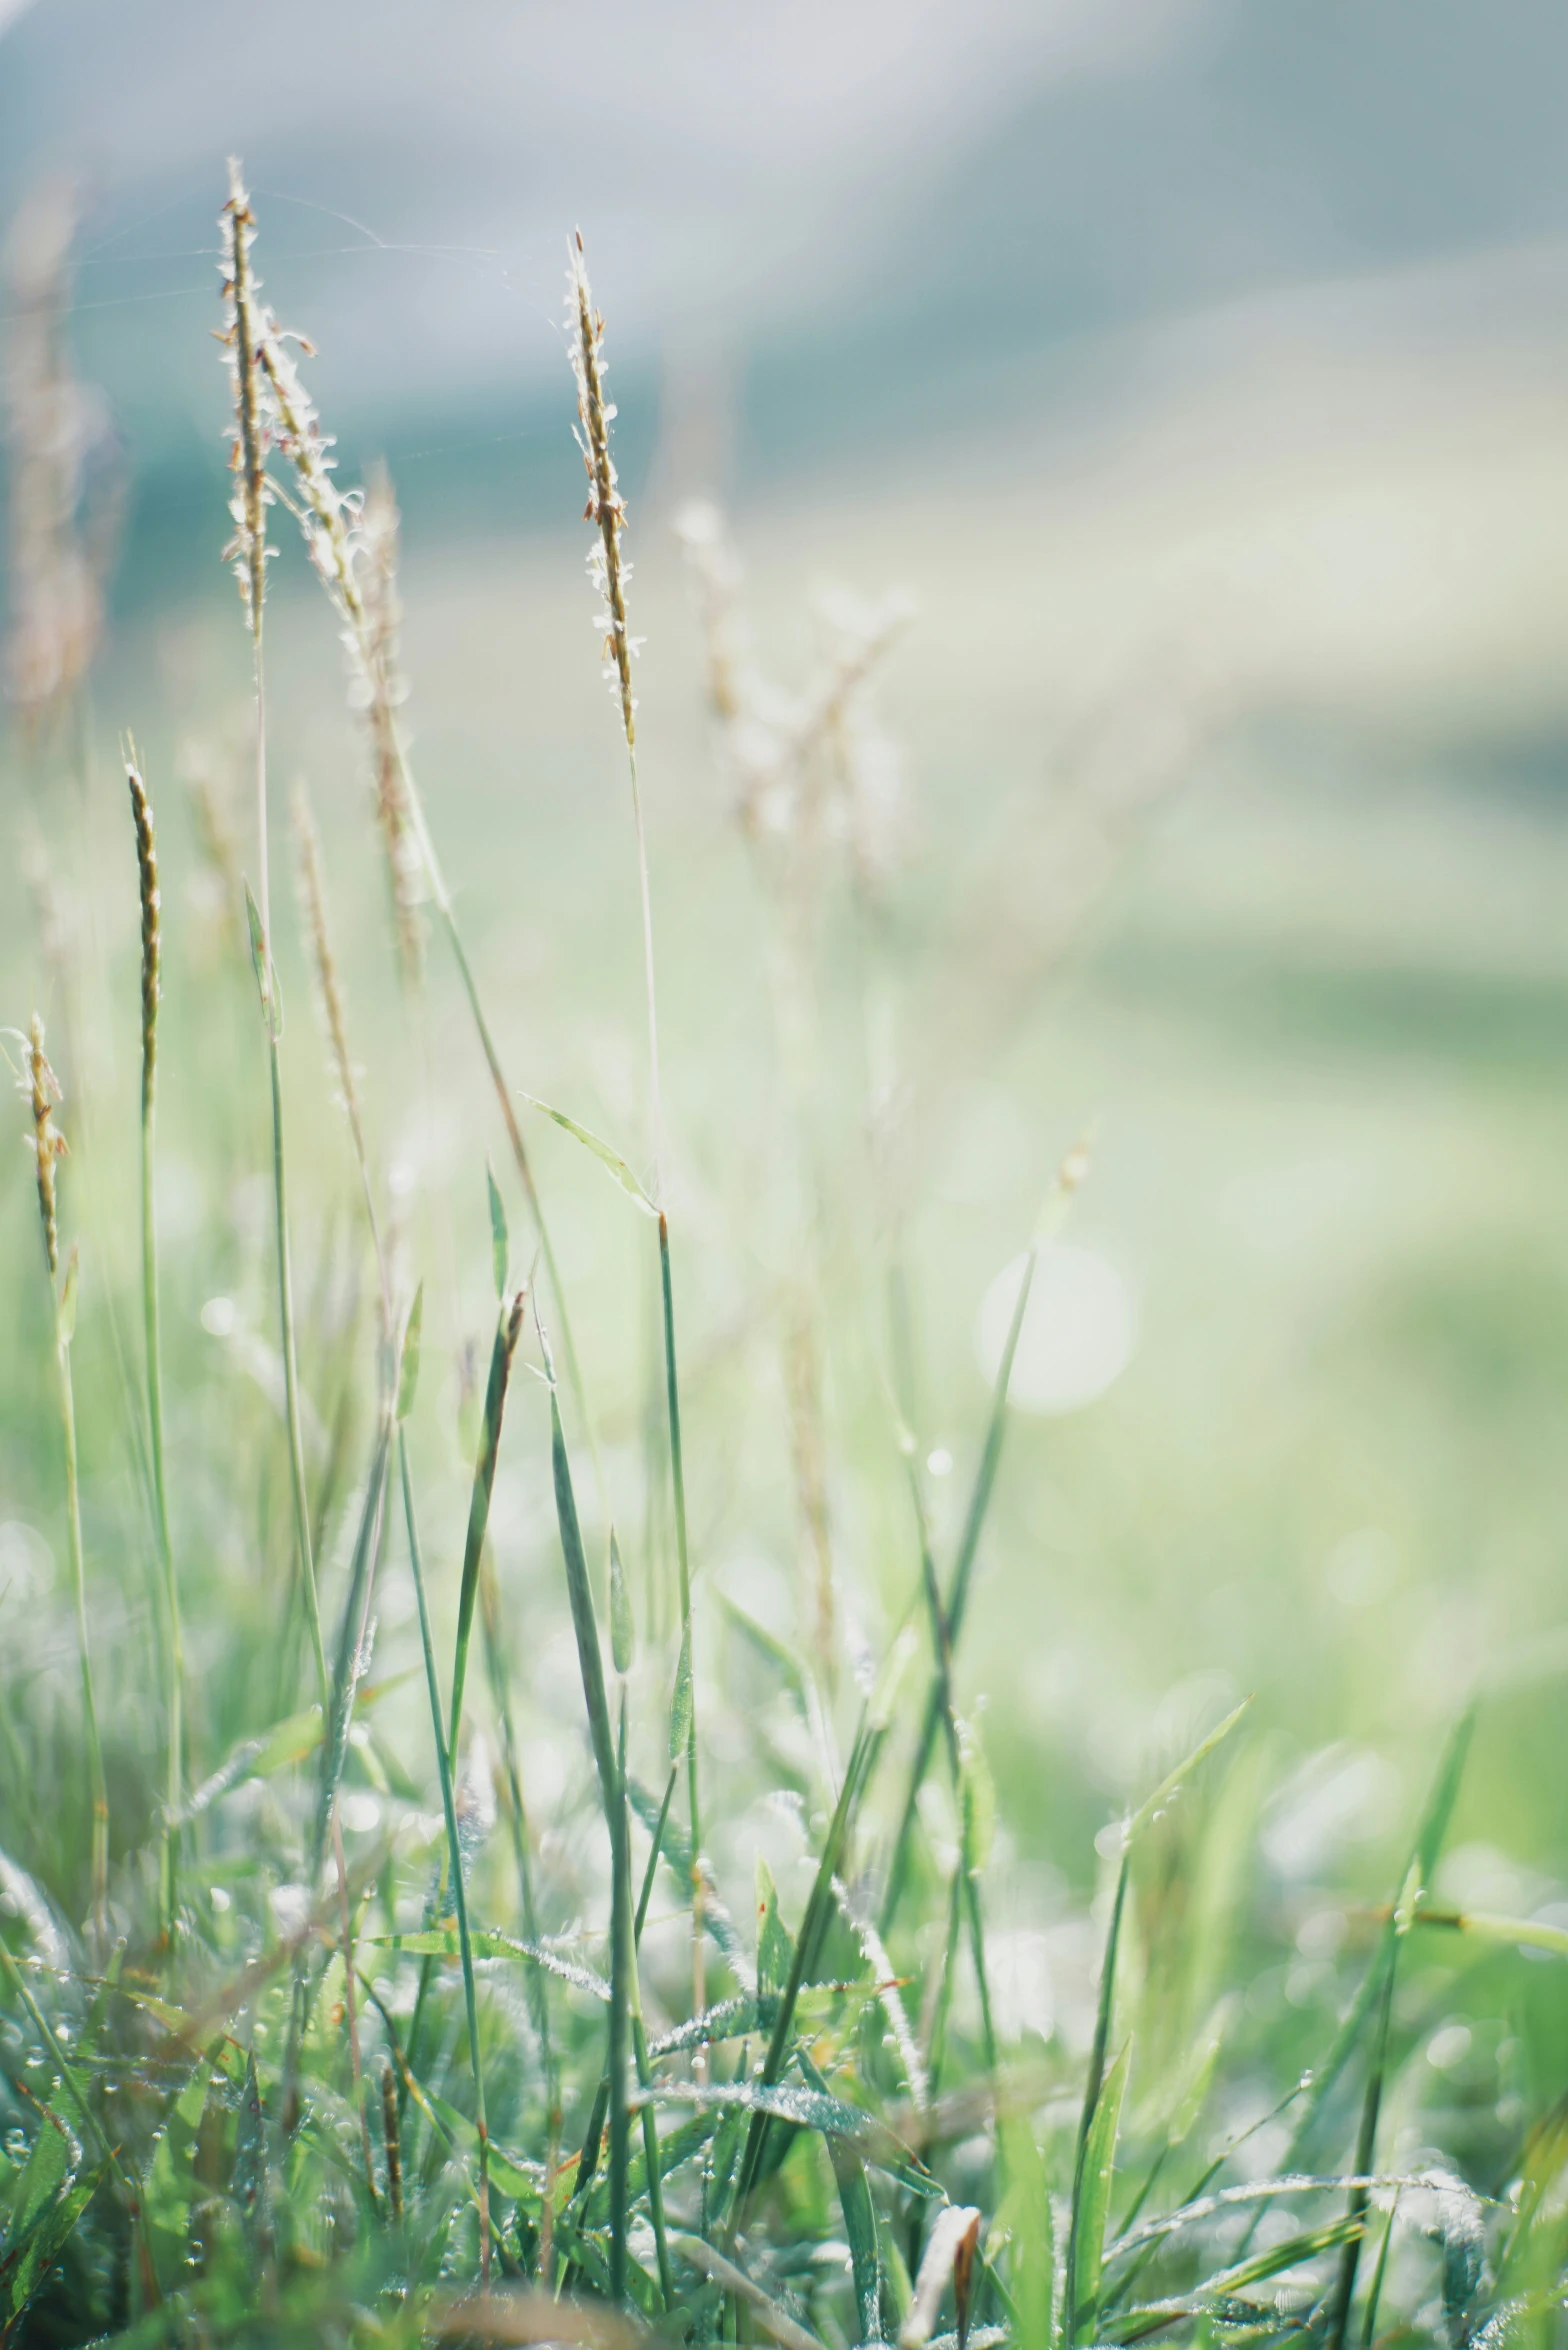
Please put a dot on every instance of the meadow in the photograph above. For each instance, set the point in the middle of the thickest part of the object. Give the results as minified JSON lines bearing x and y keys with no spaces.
{"x":1031,"y":1414}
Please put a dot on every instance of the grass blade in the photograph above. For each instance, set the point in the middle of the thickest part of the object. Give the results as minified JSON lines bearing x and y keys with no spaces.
{"x":454,"y":1847}
{"x":808,"y":1945}
{"x":1072,"y":1172}
{"x":683,"y":1712}
{"x":607,"y":1158}
{"x":503,"y":1347}
{"x":1092,"y":2202}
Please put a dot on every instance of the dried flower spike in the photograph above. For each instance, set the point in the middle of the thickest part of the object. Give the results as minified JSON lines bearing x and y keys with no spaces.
{"x":151,"y":902}
{"x":607,"y":567}
{"x":249,"y":435}
{"x":46,"y":1142}
{"x":381,"y":685}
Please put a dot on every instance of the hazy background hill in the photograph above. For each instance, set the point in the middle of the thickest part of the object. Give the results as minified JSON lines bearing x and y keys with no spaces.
{"x":820,"y":230}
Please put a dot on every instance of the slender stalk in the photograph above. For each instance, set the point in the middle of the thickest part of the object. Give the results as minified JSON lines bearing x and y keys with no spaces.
{"x":508,"y":1324}
{"x":941,"y":1639}
{"x":97,"y":1784}
{"x":622,"y":1970}
{"x":688,"y":1662}
{"x":454,"y":1856}
{"x":296,"y":1447}
{"x":1069,"y":1176}
{"x":610,"y":572}
{"x":346,"y":1929}
{"x":48,"y":1146}
{"x":151,"y":905}
{"x":501,"y":1699}
{"x":242,"y":337}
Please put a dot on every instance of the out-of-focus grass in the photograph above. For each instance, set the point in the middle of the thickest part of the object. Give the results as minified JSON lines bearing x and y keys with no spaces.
{"x":1318,"y":1009}
{"x":1286,"y":931}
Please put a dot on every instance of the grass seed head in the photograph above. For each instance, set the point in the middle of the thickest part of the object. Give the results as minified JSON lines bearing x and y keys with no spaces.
{"x":46,"y":1142}
{"x":151,"y":902}
{"x":250,"y":433}
{"x":374,"y":654}
{"x":607,"y":567}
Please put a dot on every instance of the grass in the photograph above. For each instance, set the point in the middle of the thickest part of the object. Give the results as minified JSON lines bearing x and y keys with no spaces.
{"x":297,"y":2047}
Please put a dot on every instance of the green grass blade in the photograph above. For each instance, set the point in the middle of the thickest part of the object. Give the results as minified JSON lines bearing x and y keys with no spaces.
{"x":683,"y":1712}
{"x":1174,"y":1781}
{"x":37,"y":2255}
{"x":501,"y":1699}
{"x":579,"y":1592}
{"x":621,"y":1961}
{"x":351,"y":1641}
{"x":1093,"y":2087}
{"x":1375,"y":2296}
{"x":1071,"y":1173}
{"x":500,"y":1246}
{"x":503,"y":1347}
{"x":607,"y":1158}
{"x":454,"y":1849}
{"x":266,"y":981}
{"x":808,"y":1944}
{"x":1092,"y":2202}
{"x":860,"y":2219}
{"x":1366,"y":2146}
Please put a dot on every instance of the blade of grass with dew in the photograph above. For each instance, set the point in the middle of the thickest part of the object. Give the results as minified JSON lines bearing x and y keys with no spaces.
{"x":1338,"y":2319}
{"x":1375,"y":2296}
{"x":787,"y":2331}
{"x":624,"y":1929}
{"x":1422,"y":1859}
{"x":152,"y":953}
{"x":808,"y":1944}
{"x":1073,"y":1170}
{"x":408,"y":1380}
{"x":1031,"y":2259}
{"x":860,"y":2219}
{"x":1093,"y":2086}
{"x":1092,"y":2202}
{"x":1149,"y":1810}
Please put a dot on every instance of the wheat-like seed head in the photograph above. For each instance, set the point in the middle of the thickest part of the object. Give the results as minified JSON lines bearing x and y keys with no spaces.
{"x":46,"y":1142}
{"x":152,"y":945}
{"x":382,"y":689}
{"x":330,"y":515}
{"x":351,"y":537}
{"x":607,"y":567}
{"x":250,"y":433}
